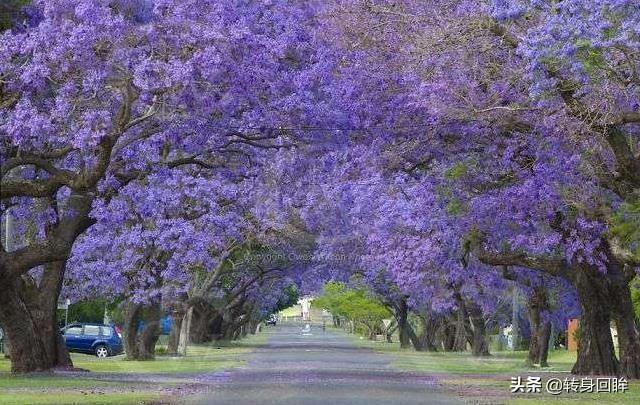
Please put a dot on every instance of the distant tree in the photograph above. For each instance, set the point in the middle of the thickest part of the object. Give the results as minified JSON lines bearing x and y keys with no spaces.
{"x":355,"y":304}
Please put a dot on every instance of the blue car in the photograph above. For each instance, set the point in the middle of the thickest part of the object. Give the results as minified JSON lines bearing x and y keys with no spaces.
{"x":92,"y":338}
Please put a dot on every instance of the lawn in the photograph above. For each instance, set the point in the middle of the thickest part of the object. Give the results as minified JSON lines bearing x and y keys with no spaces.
{"x":498,"y":363}
{"x":199,"y":358}
{"x":57,"y":389}
{"x":290,"y":312}
{"x":487,"y":380}
{"x":116,"y":380}
{"x":90,"y":397}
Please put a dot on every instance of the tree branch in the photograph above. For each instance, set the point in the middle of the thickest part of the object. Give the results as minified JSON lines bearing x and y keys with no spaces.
{"x":193,"y":161}
{"x":553,"y":266}
{"x":628,"y":164}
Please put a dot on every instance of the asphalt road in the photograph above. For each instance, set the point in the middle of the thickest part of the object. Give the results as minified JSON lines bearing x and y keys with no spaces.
{"x":319,"y":368}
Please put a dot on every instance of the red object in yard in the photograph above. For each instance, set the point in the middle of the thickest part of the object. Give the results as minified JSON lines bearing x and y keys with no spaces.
{"x":572,"y":342}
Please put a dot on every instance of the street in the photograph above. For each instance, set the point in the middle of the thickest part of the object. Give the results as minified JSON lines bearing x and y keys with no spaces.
{"x":320,"y":367}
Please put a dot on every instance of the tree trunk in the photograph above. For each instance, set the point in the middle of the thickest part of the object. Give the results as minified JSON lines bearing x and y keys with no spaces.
{"x":401,"y":315}
{"x":150,"y":333}
{"x":46,"y":316}
{"x":217,"y":327}
{"x":595,"y":346}
{"x":27,"y":352}
{"x":543,"y":342}
{"x":479,"y":347}
{"x":132,"y":313}
{"x":185,"y":329}
{"x":372,"y":330}
{"x":389,"y":333}
{"x":176,"y":326}
{"x":460,"y":340}
{"x":479,"y":344}
{"x":199,"y":331}
{"x":629,"y":345}
{"x":604,"y":297}
{"x":601,"y":295}
{"x":540,"y":327}
{"x":539,"y":345}
{"x":29,"y":313}
{"x":416,"y":342}
{"x":427,"y":336}
{"x":448,"y":333}
{"x":623,"y":313}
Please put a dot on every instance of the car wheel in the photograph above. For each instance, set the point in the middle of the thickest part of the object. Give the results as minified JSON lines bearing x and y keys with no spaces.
{"x":102,"y":351}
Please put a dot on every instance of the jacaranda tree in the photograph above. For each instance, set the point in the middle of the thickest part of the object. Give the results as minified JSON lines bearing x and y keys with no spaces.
{"x":434,"y":149}
{"x":99,"y":94}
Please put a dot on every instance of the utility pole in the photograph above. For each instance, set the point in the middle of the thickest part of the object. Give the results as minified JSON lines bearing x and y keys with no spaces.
{"x":106,"y":319}
{"x":9,"y":223}
{"x":8,"y":230}
{"x":9,"y":243}
{"x":515,"y":324}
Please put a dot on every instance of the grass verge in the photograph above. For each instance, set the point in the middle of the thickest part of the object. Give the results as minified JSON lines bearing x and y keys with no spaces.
{"x":118,"y":381}
{"x":488,"y":379}
{"x":90,"y":397}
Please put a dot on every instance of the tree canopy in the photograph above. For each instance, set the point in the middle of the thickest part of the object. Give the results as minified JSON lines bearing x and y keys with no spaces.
{"x":203,"y":157}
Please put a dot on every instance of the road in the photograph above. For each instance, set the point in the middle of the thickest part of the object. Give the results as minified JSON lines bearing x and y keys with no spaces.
{"x":319,"y":367}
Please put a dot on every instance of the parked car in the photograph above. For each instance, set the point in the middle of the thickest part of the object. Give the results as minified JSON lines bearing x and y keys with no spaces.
{"x":272,"y":320}
{"x":93,"y":338}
